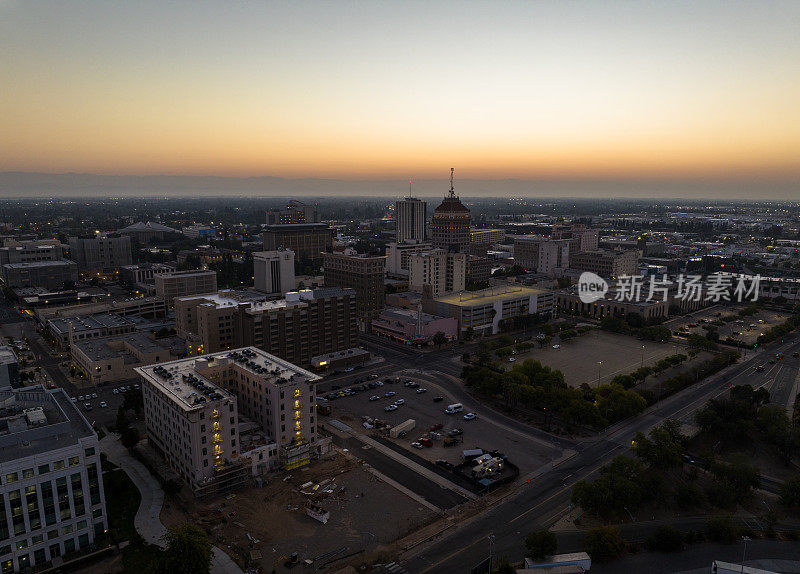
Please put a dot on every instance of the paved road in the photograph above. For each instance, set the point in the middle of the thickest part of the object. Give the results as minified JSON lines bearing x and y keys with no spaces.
{"x":541,"y":503}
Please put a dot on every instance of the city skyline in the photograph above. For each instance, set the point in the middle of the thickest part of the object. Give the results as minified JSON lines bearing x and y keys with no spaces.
{"x":542,"y":99}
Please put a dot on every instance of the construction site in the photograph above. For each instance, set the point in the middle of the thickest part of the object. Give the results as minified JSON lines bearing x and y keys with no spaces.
{"x":326,"y":516}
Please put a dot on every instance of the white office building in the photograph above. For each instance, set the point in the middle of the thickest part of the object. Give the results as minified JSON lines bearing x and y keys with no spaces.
{"x":274,"y":271}
{"x":52,"y":502}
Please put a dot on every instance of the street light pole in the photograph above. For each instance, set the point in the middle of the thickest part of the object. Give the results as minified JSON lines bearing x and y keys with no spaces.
{"x":491,"y":548}
{"x":599,"y":367}
{"x":642,"y":365}
{"x":746,"y":539}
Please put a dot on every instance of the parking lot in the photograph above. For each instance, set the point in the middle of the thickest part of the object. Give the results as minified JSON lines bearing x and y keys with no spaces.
{"x":745,"y":329}
{"x":580,"y":359}
{"x":97,"y":414}
{"x":428,"y":414}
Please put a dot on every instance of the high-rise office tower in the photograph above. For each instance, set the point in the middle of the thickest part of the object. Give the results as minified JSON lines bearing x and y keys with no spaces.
{"x":410,"y":218}
{"x":450,"y":223}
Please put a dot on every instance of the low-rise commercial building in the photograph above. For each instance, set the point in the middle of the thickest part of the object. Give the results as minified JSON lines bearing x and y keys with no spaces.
{"x":193,"y":407}
{"x":113,"y":359}
{"x":610,"y":264}
{"x":148,"y":307}
{"x":482,"y":311}
{"x":31,"y":252}
{"x":143,"y":274}
{"x":569,"y":301}
{"x":81,"y":328}
{"x":51,"y":497}
{"x":413,"y":327}
{"x":184,"y":283}
{"x":47,"y":274}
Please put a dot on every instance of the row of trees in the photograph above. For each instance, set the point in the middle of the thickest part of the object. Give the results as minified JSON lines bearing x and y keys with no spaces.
{"x":780,"y":331}
{"x":536,"y":386}
{"x":657,"y":476}
{"x":630,"y":380}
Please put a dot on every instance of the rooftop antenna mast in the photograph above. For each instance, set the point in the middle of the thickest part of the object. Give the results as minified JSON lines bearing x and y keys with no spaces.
{"x":452,"y":189}
{"x":409,"y":187}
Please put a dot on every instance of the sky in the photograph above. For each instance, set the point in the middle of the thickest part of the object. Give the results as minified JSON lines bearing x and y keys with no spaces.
{"x":556,"y":91}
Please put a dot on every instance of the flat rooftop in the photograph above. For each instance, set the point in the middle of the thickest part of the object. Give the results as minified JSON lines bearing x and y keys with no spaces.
{"x":100,"y":350}
{"x":490,"y":295}
{"x":182,"y":380}
{"x":58,"y":424}
{"x":406,"y":315}
{"x":7,"y":355}
{"x":40,"y":264}
{"x":89,"y":322}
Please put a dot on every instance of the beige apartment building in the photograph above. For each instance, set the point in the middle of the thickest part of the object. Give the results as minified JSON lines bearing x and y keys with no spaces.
{"x":193,"y":407}
{"x":542,"y":254}
{"x":437,"y":272}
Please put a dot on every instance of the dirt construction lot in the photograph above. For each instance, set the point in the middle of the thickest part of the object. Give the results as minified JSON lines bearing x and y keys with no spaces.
{"x":360,"y":506}
{"x":580,"y":359}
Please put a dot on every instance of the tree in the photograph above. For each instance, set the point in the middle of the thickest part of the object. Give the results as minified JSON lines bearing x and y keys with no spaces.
{"x":504,"y":567}
{"x":604,"y":543}
{"x":662,"y":449}
{"x":188,"y":551}
{"x":439,"y":339}
{"x":541,"y":543}
{"x":130,"y":437}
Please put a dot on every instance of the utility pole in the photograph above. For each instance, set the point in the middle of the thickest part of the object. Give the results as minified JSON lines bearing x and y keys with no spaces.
{"x":491,"y":548}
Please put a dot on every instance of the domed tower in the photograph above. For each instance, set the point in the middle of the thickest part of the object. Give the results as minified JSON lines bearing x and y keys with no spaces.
{"x":450,"y":223}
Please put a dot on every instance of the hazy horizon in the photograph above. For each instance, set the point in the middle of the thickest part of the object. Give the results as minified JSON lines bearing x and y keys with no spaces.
{"x":20,"y":184}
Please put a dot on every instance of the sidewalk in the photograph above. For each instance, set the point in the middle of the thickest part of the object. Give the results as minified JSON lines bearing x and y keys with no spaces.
{"x":148,"y":520}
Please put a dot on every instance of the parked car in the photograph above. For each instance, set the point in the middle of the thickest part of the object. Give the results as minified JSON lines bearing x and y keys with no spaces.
{"x":379,"y":383}
{"x":511,"y":359}
{"x":556,"y":346}
{"x":399,"y":402}
{"x":374,"y":398}
{"x":94,"y":395}
{"x":455,"y":432}
{"x":115,"y":391}
{"x":421,"y":390}
{"x":74,"y":399}
{"x":87,"y":406}
{"x":470,"y":416}
{"x":390,"y":408}
{"x":390,"y":394}
{"x":416,"y":444}
{"x":424,"y":441}
{"x":760,"y":368}
{"x":438,"y":399}
{"x":373,"y":376}
{"x":103,"y":404}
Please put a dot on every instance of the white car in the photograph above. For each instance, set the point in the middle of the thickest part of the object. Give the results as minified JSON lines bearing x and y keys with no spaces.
{"x":81,"y":397}
{"x":421,"y":390}
{"x":470,"y":416}
{"x":74,"y":399}
{"x":390,"y":408}
{"x":94,"y":395}
{"x":416,"y":444}
{"x":399,"y":402}
{"x":374,"y":398}
{"x":511,"y":359}
{"x":556,"y":346}
{"x":115,"y":391}
{"x":379,"y":383}
{"x":103,"y":404}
